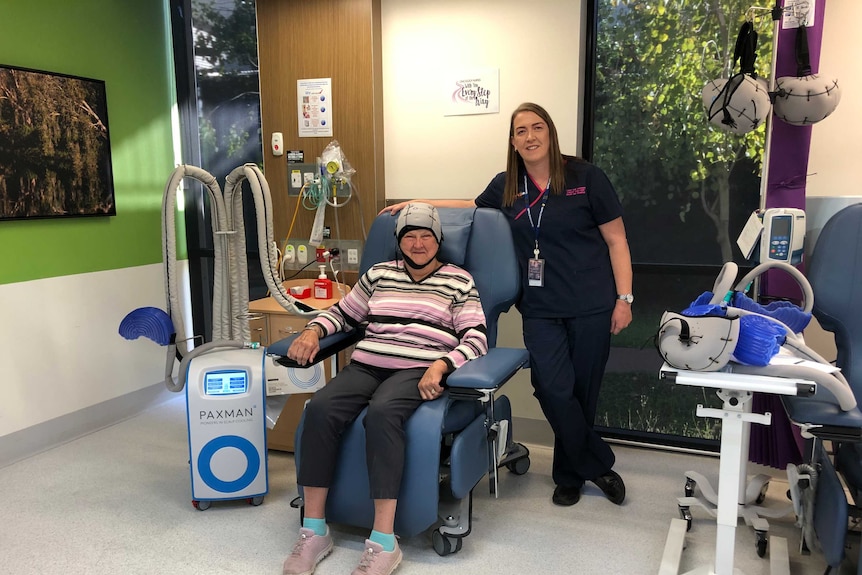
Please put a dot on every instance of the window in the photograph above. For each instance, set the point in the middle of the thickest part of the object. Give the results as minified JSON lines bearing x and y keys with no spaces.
{"x":215,"y":54}
{"x":687,"y":186}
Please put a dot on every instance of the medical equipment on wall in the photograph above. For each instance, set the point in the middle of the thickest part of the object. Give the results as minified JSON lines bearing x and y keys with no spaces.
{"x":331,"y":186}
{"x":774,"y":234}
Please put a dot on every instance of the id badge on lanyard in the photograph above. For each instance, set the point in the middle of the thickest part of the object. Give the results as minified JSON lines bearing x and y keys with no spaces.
{"x":536,"y":272}
{"x":536,"y":265}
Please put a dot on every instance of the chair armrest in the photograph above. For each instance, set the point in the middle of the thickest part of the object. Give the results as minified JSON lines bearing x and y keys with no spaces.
{"x":329,"y":346}
{"x":489,"y":371}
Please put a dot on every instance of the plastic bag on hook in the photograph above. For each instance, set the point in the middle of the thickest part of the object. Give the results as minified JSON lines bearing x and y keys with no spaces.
{"x":335,"y":162}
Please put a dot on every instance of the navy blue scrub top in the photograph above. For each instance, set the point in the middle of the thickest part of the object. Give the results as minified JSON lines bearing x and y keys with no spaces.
{"x":578,"y":277}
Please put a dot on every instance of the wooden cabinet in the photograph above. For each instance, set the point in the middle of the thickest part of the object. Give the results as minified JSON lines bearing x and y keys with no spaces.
{"x":259,"y":332}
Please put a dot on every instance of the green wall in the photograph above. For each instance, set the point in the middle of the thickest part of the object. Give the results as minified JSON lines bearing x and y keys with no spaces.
{"x":126,"y":43}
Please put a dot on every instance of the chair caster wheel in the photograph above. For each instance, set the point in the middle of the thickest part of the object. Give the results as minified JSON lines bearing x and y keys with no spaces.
{"x":761,"y":543}
{"x":685,"y":513}
{"x":689,"y":487}
{"x":519,"y":466}
{"x":761,"y":497}
{"x":444,"y":545}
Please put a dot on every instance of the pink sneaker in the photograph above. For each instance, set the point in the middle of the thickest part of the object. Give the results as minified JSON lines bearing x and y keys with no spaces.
{"x":309,"y":550}
{"x":376,"y":561}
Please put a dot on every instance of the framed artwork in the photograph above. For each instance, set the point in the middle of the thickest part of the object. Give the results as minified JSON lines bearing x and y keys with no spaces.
{"x":55,"y":147}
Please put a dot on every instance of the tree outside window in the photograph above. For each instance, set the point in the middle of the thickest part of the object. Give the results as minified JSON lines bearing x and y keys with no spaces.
{"x":687,"y":186}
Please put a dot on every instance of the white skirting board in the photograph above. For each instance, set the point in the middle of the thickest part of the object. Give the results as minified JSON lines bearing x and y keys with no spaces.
{"x":55,"y":432}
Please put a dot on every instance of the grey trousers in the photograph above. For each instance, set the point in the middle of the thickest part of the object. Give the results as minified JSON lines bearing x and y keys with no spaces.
{"x":391,"y":396}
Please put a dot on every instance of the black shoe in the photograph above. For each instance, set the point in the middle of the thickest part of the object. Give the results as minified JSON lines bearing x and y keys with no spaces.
{"x":612,"y":486}
{"x":566,"y":496}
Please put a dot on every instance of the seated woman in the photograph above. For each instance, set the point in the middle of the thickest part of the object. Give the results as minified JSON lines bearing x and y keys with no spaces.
{"x":422,"y":319}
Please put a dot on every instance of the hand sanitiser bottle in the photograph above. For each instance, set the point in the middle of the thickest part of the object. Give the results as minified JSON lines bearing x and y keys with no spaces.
{"x":322,"y":285}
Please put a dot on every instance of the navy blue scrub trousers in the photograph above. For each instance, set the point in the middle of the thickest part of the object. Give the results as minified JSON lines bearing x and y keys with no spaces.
{"x":567,"y":363}
{"x":391,"y":396}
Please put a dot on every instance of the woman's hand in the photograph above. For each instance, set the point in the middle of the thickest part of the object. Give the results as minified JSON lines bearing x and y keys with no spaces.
{"x":621,"y":316}
{"x":394,"y":208}
{"x":429,"y":385}
{"x":305,"y":347}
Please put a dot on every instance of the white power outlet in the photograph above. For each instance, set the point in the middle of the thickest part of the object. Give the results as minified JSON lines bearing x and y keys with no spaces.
{"x":289,"y":253}
{"x":302,"y":254}
{"x":353,"y":256}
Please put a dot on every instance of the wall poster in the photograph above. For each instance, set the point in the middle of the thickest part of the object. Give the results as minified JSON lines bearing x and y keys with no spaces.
{"x":472,"y":92}
{"x":314,"y":99}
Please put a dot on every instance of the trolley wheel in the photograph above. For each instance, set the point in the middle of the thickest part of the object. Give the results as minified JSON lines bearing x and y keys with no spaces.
{"x":255,"y":500}
{"x":761,"y":543}
{"x":689,"y":486}
{"x":685,"y":513}
{"x":444,"y":545}
{"x":519,"y":466}
{"x":201,"y":505}
{"x":761,"y":497}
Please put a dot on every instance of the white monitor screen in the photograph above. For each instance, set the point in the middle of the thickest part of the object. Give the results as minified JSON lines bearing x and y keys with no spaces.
{"x":225,"y":382}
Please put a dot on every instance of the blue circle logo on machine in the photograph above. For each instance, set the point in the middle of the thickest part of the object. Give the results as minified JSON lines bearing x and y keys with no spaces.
{"x":306,"y":377}
{"x":212,"y":447}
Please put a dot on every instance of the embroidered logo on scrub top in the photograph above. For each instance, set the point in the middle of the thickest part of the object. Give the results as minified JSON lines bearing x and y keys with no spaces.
{"x":577,"y":191}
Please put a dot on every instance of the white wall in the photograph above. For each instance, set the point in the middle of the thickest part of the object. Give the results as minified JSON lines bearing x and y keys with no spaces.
{"x":835,"y":149}
{"x":535,"y":46}
{"x":61,"y":335}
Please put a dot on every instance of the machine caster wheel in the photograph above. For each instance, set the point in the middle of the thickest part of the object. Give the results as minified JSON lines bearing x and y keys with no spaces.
{"x":444,"y":545}
{"x":519,"y":466}
{"x":761,"y":543}
{"x":685,"y":513}
{"x":689,"y":487}
{"x":761,"y":497}
{"x":255,"y":500}
{"x":201,"y":505}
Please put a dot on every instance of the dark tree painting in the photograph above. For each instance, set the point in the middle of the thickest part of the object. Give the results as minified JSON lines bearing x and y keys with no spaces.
{"x":55,"y":153}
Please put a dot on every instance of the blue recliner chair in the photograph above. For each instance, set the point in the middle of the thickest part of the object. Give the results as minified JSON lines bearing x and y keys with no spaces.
{"x":453,"y":441}
{"x":835,"y":273}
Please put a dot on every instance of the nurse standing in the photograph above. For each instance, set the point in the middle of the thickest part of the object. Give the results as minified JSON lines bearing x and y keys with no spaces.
{"x":576,"y":275}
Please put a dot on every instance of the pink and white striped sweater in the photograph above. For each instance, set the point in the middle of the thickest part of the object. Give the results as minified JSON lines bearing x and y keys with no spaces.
{"x":411,"y":324}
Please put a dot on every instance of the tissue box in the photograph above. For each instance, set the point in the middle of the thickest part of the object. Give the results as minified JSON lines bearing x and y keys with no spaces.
{"x":300,"y":292}
{"x":282,"y":380}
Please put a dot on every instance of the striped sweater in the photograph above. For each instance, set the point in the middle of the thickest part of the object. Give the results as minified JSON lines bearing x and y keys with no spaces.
{"x":411,"y":324}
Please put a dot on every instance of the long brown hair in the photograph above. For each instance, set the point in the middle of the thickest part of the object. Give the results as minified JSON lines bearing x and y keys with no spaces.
{"x":514,"y":161}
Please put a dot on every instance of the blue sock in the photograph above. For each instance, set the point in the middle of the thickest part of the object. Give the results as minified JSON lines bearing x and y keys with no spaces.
{"x":316,"y":525}
{"x":387,"y":540}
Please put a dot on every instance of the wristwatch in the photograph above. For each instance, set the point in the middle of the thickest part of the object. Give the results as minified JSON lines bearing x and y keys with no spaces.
{"x":626,"y":297}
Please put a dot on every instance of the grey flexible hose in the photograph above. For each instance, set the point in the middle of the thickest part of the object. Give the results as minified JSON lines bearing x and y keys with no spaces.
{"x":834,"y":382}
{"x":169,"y":249}
{"x":230,"y":269}
{"x":265,"y":241}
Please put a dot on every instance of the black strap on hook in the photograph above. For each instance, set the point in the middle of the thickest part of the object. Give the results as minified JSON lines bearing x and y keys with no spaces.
{"x":746,"y":48}
{"x":803,"y":60}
